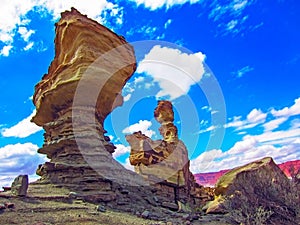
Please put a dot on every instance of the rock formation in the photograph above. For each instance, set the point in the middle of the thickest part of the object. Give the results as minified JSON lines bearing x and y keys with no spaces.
{"x":257,"y":185}
{"x":82,"y":86}
{"x":163,"y":163}
{"x":236,"y":178}
{"x":290,"y":169}
{"x":20,"y":185}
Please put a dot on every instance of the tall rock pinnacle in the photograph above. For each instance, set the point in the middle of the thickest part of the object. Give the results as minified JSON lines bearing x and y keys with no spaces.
{"x":162,"y":161}
{"x":82,"y":86}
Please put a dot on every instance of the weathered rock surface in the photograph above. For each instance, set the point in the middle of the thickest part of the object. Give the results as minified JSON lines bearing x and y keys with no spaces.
{"x":164,"y":163}
{"x":235,"y":182}
{"x":260,"y":185}
{"x":20,"y":185}
{"x":81,"y":88}
{"x":290,"y":168}
{"x":161,"y":160}
{"x":236,"y":178}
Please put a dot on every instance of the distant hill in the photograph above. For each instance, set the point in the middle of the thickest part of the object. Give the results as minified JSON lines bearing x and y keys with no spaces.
{"x":209,"y":179}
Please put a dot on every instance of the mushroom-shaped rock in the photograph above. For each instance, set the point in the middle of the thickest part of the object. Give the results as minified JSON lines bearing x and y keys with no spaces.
{"x":82,"y":86}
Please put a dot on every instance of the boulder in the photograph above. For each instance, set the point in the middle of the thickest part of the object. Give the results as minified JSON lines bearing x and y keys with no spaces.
{"x":254,"y":172}
{"x":256,"y":189}
{"x":20,"y":185}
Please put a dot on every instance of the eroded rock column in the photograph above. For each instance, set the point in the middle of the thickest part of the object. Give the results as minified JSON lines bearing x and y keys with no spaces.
{"x":164,"y":163}
{"x":82,"y":86}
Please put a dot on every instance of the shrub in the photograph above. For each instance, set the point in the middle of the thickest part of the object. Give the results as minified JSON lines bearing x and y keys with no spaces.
{"x":256,"y":201}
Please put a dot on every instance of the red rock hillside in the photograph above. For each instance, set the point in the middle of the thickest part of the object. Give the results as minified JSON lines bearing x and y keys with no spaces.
{"x":209,"y":179}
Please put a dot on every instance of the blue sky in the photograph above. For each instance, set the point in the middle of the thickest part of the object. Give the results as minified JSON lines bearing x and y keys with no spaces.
{"x":241,"y":103}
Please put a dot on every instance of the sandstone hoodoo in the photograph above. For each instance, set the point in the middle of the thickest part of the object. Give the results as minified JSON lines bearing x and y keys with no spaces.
{"x":161,"y":160}
{"x":82,"y":86}
{"x":163,"y":163}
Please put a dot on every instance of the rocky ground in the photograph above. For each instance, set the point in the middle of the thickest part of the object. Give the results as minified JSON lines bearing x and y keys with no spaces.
{"x":54,"y":206}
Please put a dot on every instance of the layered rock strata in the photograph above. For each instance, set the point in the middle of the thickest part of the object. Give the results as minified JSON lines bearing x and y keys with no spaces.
{"x":81,"y":88}
{"x":163,"y":163}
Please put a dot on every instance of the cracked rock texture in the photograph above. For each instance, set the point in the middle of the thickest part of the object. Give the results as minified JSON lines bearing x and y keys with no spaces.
{"x":164,"y":163}
{"x":82,"y":86}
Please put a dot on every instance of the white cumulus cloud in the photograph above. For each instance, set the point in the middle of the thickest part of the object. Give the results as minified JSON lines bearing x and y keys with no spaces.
{"x":203,"y":161}
{"x":281,"y":144}
{"x":22,"y":129}
{"x":288,"y":111}
{"x":254,"y":118}
{"x":14,"y":16}
{"x":120,"y":150}
{"x":18,"y":159}
{"x":243,"y":152}
{"x":173,"y":70}
{"x":142,"y":125}
{"x":6,"y":50}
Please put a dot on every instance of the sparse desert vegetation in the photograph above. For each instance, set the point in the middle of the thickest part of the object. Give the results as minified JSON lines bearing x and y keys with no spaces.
{"x":263,"y":199}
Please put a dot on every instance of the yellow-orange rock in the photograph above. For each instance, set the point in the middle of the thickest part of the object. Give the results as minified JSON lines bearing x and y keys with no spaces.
{"x":162,"y":160}
{"x":163,"y":113}
{"x":79,"y":42}
{"x":81,"y":88}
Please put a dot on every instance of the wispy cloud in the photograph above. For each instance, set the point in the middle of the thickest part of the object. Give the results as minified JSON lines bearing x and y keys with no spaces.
{"x":130,"y":87}
{"x":273,"y":124}
{"x":25,"y":33}
{"x":22,"y":129}
{"x":167,"y":24}
{"x":281,"y":143}
{"x":158,"y":4}
{"x":211,"y":128}
{"x":241,"y":72}
{"x":230,"y":16}
{"x":147,"y":31}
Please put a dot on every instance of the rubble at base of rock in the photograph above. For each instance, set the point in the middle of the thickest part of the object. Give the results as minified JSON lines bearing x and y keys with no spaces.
{"x":80,"y":154}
